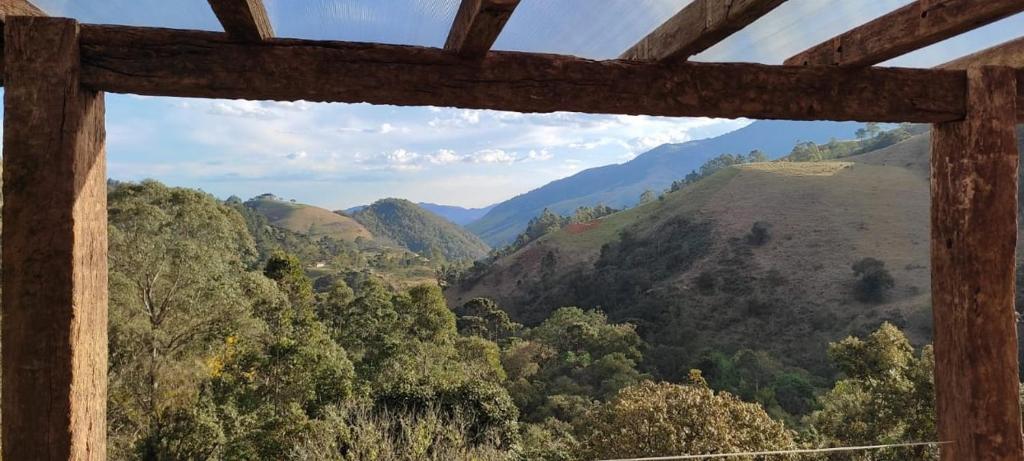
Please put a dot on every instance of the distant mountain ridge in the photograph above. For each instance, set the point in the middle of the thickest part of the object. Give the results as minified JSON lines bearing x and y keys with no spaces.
{"x":620,"y":185}
{"x":456,"y":214}
{"x":418,"y":229}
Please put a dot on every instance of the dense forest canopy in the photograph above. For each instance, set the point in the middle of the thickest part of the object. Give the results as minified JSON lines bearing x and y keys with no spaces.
{"x":221,"y":348}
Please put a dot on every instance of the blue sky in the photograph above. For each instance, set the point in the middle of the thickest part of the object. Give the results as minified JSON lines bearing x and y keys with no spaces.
{"x":339,"y":155}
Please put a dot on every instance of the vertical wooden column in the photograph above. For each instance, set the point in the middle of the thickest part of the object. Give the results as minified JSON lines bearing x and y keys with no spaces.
{"x":974,"y":231}
{"x":54,"y":248}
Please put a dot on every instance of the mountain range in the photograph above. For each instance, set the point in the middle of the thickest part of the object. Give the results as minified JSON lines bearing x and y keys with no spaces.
{"x":621,"y":185}
{"x":416,"y":228}
{"x":393,"y":222}
{"x":456,"y":214}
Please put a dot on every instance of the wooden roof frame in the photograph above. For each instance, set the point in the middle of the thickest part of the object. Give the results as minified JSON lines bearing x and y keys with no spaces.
{"x":56,"y":70}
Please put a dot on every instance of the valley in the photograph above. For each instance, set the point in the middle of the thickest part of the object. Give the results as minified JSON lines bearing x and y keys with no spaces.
{"x":784,"y":285}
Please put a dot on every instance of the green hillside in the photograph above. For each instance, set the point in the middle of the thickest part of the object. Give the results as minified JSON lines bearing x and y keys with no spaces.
{"x":686,"y":270}
{"x":419,"y":230}
{"x":307,"y":219}
{"x":620,"y":185}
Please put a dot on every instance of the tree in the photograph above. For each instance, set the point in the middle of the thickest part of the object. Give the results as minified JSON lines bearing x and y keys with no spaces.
{"x":484,"y":318}
{"x":425,"y":316}
{"x":368,"y":326}
{"x":785,"y":393}
{"x":870,"y":130}
{"x":286,"y":270}
{"x":886,"y":396}
{"x":550,"y":440}
{"x":177,"y":274}
{"x":806,"y":152}
{"x":655,"y":419}
{"x":332,"y":304}
{"x":266,"y":389}
{"x":647,"y":197}
{"x":572,"y":359}
{"x":757,"y":156}
{"x":874,"y":280}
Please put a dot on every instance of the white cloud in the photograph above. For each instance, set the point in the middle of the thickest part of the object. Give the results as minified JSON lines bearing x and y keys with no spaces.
{"x":248,"y":109}
{"x":470,"y":116}
{"x":491,"y":156}
{"x":539,"y":155}
{"x":401,"y":156}
{"x":444,"y":157}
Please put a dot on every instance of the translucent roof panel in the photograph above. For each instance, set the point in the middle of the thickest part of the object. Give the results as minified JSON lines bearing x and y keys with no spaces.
{"x":180,"y":14}
{"x":596,"y":29}
{"x":795,"y":26}
{"x":799,"y":24}
{"x":406,"y":22}
{"x":962,"y":45}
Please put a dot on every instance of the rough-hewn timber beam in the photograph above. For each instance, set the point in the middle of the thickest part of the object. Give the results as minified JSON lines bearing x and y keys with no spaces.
{"x":14,"y":8}
{"x":1009,"y":54}
{"x":54,"y":249}
{"x":208,"y":64}
{"x":909,"y":28}
{"x":243,"y":19}
{"x":974,"y":166}
{"x":477,"y":25}
{"x":18,"y":8}
{"x":697,"y":27}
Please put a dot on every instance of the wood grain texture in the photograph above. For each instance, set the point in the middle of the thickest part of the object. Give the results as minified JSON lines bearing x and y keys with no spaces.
{"x":477,"y":25}
{"x":974,"y":232}
{"x":14,"y":8}
{"x":243,"y":19}
{"x":18,"y":8}
{"x":207,"y":64}
{"x":54,"y":249}
{"x":1008,"y":54}
{"x":909,"y":28}
{"x":698,"y":26}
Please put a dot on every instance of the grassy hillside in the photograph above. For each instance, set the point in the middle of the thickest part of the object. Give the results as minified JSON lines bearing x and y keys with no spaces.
{"x":307,"y":219}
{"x":419,"y":230}
{"x":620,"y":185}
{"x":329,"y":256}
{"x":685,"y":270}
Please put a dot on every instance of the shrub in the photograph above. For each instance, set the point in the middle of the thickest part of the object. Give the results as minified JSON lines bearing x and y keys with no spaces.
{"x":874,"y":280}
{"x":759,"y":233}
{"x":652,"y":419}
{"x":706,"y":283}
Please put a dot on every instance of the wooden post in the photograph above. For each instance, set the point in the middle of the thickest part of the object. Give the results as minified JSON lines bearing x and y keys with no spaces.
{"x":974,"y":233}
{"x":54,"y":249}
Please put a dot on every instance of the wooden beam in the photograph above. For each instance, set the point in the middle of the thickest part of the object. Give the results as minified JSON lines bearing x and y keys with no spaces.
{"x":208,"y":64}
{"x":14,"y":8}
{"x":697,"y":27}
{"x":974,"y":167}
{"x":477,"y":25}
{"x":909,"y":28}
{"x":18,"y":8}
{"x":54,"y":248}
{"x":1009,"y":54}
{"x":243,"y":19}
